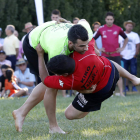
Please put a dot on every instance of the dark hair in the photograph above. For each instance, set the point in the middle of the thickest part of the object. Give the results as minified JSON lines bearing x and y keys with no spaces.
{"x":56,"y":12}
{"x":61,"y":64}
{"x":77,"y":32}
{"x":9,"y":74}
{"x":4,"y":66}
{"x":109,"y":14}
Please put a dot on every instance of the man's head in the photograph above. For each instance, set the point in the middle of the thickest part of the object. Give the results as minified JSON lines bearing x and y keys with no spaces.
{"x":78,"y":38}
{"x":96,"y":25}
{"x":2,"y":56}
{"x":61,"y":65}
{"x":21,"y":63}
{"x":28,"y":27}
{"x":16,"y":33}
{"x":4,"y":68}
{"x":109,"y":19}
{"x":75,"y":20}
{"x":9,"y":30}
{"x":129,"y":25}
{"x":9,"y":74}
{"x":55,"y":14}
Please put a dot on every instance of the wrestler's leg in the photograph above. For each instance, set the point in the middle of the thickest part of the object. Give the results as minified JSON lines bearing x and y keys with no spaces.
{"x":124,"y":73}
{"x":72,"y":113}
{"x":35,"y":97}
{"x":50,"y":106}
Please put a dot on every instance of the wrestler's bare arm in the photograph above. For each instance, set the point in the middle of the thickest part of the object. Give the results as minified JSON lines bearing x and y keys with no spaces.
{"x":43,"y":71}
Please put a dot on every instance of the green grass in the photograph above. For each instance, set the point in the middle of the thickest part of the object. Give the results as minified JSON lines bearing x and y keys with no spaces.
{"x":118,"y":119}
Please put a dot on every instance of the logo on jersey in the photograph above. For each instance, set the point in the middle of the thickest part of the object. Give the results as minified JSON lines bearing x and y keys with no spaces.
{"x":109,"y":30}
{"x":61,"y":83}
{"x":115,"y":33}
{"x":104,"y":34}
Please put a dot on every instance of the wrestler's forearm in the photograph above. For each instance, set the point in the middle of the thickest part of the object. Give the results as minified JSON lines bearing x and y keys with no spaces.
{"x":43,"y":72}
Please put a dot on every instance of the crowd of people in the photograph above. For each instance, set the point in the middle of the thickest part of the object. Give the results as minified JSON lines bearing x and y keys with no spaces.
{"x":112,"y":42}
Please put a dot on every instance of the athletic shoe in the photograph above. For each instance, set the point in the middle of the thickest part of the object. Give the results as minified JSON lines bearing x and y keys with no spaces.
{"x":134,"y":89}
{"x":126,"y":89}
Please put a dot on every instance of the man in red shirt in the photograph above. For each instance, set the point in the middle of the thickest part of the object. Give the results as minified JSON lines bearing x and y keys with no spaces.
{"x":110,"y":33}
{"x":80,"y":73}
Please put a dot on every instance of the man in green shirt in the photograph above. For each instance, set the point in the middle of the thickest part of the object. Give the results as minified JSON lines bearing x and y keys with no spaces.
{"x":55,"y":39}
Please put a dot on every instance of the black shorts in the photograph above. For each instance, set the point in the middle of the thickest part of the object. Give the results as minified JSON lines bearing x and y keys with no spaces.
{"x":116,"y":59}
{"x":93,"y":101}
{"x":32,"y":56}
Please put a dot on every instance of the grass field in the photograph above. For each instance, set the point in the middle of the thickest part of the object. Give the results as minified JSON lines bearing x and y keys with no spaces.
{"x":118,"y":119}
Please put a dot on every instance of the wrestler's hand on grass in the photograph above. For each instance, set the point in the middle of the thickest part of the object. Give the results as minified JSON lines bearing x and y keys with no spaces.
{"x":62,"y":20}
{"x":39,"y":50}
{"x":90,"y":90}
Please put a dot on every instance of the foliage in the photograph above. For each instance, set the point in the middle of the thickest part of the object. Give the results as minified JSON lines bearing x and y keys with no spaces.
{"x":18,"y":12}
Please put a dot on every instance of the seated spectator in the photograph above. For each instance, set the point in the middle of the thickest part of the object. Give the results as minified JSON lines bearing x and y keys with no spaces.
{"x":23,"y":75}
{"x":20,"y":53}
{"x":3,"y":60}
{"x":11,"y":88}
{"x":2,"y":78}
{"x":1,"y":40}
{"x":75,"y":20}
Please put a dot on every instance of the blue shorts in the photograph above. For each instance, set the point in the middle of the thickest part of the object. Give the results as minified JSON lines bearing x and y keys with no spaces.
{"x":93,"y":101}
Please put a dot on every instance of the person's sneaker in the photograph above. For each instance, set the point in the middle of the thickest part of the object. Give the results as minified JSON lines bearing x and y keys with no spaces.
{"x":126,"y":89}
{"x":7,"y":92}
{"x":134,"y":89}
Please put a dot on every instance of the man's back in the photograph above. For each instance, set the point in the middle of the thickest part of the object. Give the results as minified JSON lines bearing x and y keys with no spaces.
{"x":53,"y":37}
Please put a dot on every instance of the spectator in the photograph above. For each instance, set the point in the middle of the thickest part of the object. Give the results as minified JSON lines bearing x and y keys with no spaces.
{"x":75,"y":20}
{"x":96,"y":26}
{"x":11,"y":88}
{"x":55,"y":14}
{"x":1,"y":39}
{"x":110,"y":33}
{"x":2,"y":77}
{"x":129,"y":54}
{"x":20,"y":54}
{"x":28,"y":27}
{"x":24,"y":78}
{"x":3,"y":60}
{"x":11,"y":45}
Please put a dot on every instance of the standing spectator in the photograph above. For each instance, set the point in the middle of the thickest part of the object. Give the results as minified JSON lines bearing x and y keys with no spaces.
{"x":28,"y":27}
{"x":1,"y":39}
{"x":3,"y":60}
{"x":11,"y":45}
{"x":75,"y":20}
{"x":20,"y":54}
{"x":96,"y":26}
{"x":24,"y":78}
{"x":55,"y":14}
{"x":110,"y":33}
{"x":129,"y":54}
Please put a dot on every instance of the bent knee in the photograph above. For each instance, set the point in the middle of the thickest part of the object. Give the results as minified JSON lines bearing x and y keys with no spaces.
{"x":68,"y":115}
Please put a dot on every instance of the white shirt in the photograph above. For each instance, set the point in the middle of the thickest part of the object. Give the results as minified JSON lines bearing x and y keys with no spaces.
{"x":130,"y":49}
{"x":25,"y":77}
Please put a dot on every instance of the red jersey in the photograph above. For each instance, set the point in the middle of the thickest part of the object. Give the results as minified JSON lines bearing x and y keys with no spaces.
{"x":90,"y":69}
{"x":110,"y":38}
